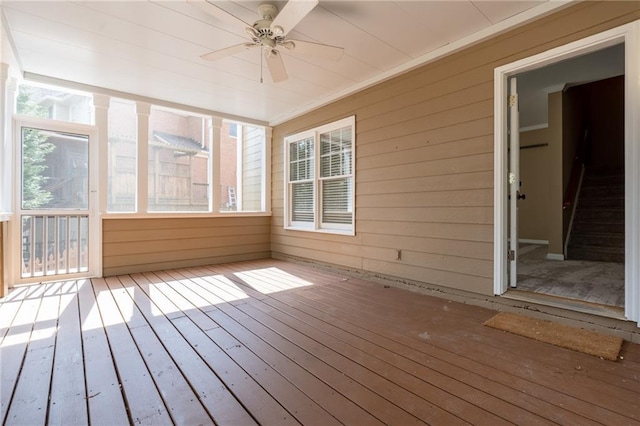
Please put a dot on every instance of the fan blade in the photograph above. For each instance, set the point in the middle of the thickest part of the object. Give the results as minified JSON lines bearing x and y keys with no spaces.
{"x":218,"y":13}
{"x":227,"y":51}
{"x":317,"y":50}
{"x":276,"y":66}
{"x":292,"y":13}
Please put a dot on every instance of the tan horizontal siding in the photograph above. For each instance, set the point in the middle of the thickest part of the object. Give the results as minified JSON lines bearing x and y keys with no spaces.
{"x":424,"y":159}
{"x":402,"y":155}
{"x":137,"y":245}
{"x":318,"y":254}
{"x":461,"y":198}
{"x":467,"y":180}
{"x":443,"y":231}
{"x":435,"y":246}
{"x":455,"y":133}
{"x":438,"y":167}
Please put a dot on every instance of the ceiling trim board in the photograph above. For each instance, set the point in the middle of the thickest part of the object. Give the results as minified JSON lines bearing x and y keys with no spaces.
{"x":43,"y":79}
{"x":521,"y":19}
{"x":6,"y":34}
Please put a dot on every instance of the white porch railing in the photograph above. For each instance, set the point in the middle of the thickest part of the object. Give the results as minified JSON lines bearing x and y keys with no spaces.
{"x":54,"y":244}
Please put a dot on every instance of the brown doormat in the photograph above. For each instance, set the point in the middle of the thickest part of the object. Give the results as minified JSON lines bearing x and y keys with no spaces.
{"x":577,"y":339}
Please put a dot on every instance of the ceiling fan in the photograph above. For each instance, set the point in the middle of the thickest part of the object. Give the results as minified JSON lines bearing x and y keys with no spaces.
{"x":270,"y":32}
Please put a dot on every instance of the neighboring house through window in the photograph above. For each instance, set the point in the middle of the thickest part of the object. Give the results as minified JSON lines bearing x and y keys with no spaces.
{"x":320,"y":178}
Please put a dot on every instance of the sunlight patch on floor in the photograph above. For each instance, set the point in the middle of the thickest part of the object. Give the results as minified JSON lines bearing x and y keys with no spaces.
{"x":223,"y":288}
{"x":161,"y":304}
{"x":271,"y":280}
{"x":45,"y":324}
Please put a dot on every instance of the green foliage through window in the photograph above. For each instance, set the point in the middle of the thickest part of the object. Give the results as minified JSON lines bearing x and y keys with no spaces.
{"x":35,"y":149}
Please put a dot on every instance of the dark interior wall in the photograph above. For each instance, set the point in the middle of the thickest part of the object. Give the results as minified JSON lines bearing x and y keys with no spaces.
{"x":606,"y":113}
{"x":601,"y":104}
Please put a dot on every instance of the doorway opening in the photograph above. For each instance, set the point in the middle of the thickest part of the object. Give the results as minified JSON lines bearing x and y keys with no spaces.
{"x":571,"y":223}
{"x":565,"y":193}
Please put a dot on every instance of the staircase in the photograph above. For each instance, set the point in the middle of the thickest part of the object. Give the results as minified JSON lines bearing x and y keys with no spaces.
{"x":598,"y":225}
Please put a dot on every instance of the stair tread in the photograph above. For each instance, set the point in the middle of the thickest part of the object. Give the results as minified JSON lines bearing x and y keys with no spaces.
{"x":601,"y":181}
{"x":601,"y":234}
{"x":598,"y":249}
{"x":599,"y":223}
{"x":607,"y":196}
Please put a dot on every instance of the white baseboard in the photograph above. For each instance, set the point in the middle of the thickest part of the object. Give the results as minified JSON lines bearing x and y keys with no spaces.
{"x":529,"y":241}
{"x":555,"y":256}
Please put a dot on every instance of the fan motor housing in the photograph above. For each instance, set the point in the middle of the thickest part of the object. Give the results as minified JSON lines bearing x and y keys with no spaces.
{"x":267,"y":11}
{"x":266,"y":36}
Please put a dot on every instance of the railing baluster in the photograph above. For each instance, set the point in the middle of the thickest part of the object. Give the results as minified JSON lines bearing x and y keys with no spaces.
{"x":56,"y":245}
{"x":45,"y":245}
{"x":78,"y":244}
{"x":85,"y":247}
{"x":32,"y":249}
{"x":68,"y":237}
{"x":40,"y":220}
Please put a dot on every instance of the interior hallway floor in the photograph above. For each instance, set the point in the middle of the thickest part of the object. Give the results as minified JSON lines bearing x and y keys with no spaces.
{"x":594,"y":282}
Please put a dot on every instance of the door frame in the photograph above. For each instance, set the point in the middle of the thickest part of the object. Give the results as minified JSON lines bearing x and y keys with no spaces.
{"x":15,"y":225}
{"x":628,"y":34}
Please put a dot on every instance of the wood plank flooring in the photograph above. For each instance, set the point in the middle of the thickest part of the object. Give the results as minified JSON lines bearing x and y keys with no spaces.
{"x":276,"y":343}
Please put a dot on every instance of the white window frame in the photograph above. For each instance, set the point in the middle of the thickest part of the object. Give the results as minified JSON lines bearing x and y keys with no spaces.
{"x":317,"y":225}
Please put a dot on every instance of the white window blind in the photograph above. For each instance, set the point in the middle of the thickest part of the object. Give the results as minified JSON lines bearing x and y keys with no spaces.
{"x":301,"y":175}
{"x":335,"y":171}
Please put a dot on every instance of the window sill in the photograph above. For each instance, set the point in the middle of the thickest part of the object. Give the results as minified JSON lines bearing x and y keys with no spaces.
{"x":166,"y":215}
{"x":345,"y":232}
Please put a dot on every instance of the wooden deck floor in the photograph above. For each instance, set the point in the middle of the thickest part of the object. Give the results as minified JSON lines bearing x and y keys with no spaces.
{"x":277,"y":343}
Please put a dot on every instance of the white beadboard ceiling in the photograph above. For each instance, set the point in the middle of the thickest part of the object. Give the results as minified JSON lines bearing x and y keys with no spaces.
{"x":152,"y":48}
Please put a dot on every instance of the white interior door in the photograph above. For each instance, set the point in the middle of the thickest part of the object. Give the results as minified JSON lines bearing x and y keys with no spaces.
{"x":514,"y":180}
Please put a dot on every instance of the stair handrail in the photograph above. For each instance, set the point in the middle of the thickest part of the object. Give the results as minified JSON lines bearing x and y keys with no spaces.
{"x":573,"y":215}
{"x":576,"y":169}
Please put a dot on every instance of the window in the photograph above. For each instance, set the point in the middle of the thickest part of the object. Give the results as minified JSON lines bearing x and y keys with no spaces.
{"x":178,"y":171}
{"x":320,"y":178}
{"x":233,"y":130}
{"x":55,"y":170}
{"x":54,"y":103}
{"x":122,"y":160}
{"x":242,"y":168}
